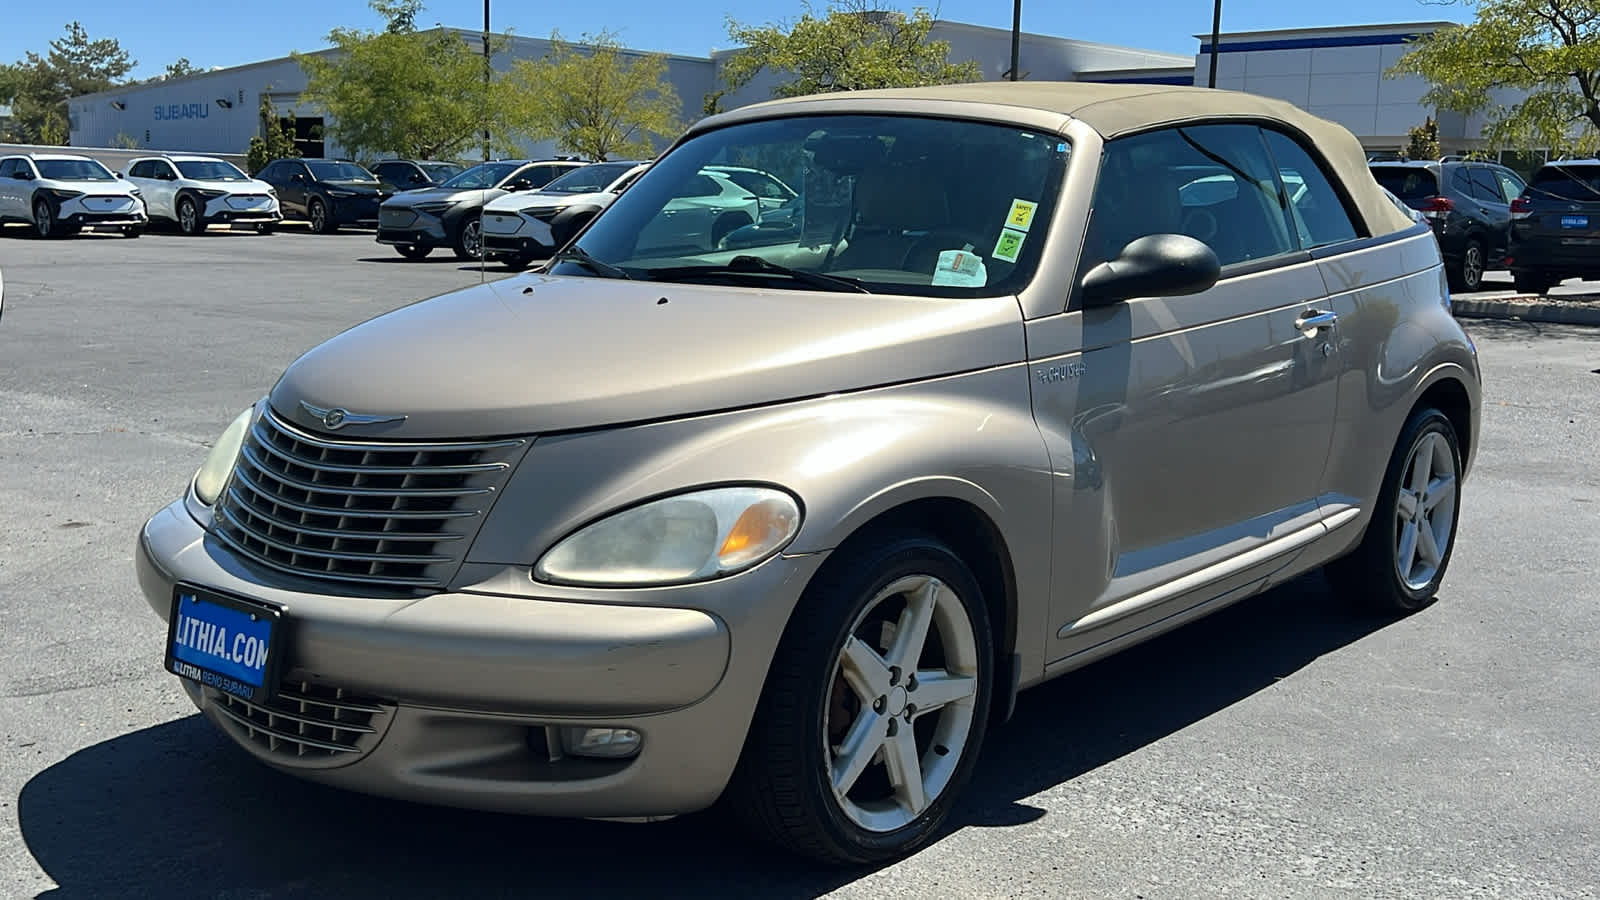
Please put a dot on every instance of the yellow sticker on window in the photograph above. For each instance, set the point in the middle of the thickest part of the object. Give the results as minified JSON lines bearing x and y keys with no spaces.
{"x":1009,"y":245}
{"x":1021,"y":217}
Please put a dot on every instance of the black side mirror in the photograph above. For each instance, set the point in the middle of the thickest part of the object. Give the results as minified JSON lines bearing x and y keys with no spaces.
{"x":120,"y":175}
{"x":23,"y":175}
{"x":298,"y":178}
{"x":521,"y":184}
{"x":1156,"y":265}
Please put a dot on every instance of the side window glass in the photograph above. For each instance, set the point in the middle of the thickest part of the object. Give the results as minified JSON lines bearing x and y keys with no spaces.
{"x":7,"y":168}
{"x":1213,"y":182}
{"x":1484,"y":186}
{"x":138,"y":169}
{"x":1460,"y":182}
{"x":1510,"y":185}
{"x":1319,"y":214}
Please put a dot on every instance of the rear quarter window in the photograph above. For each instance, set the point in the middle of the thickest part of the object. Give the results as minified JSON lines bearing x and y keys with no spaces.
{"x":1580,"y":183}
{"x":1407,"y":183}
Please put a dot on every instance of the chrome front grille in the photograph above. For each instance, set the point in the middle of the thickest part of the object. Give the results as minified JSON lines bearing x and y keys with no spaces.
{"x":306,"y":723}
{"x":392,"y":513}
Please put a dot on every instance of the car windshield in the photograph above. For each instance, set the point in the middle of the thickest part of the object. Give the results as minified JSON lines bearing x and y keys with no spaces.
{"x":1581,"y":183}
{"x":441,"y":171}
{"x":484,"y":175}
{"x":1409,"y":183}
{"x":210,"y":170}
{"x":886,"y":204}
{"x":588,"y":179}
{"x":73,"y":170}
{"x":339,"y":171}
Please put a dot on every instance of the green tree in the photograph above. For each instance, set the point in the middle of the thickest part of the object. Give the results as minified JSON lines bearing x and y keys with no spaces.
{"x":75,"y":65}
{"x":1424,"y":141}
{"x":275,"y":141}
{"x":854,"y":45}
{"x":402,"y":91}
{"x":591,"y":100}
{"x":1548,"y":51}
{"x":10,"y":80}
{"x":181,"y":68}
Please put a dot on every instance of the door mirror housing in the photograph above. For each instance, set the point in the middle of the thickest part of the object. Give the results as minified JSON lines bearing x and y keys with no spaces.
{"x":298,"y":178}
{"x":22,"y":175}
{"x":1156,"y":265}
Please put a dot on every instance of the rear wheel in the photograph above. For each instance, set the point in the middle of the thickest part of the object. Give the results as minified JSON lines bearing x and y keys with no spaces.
{"x":1467,"y":275}
{"x":874,"y":708}
{"x":1402,"y":558}
{"x":412,"y":251}
{"x":1536,"y":283}
{"x":189,"y":221}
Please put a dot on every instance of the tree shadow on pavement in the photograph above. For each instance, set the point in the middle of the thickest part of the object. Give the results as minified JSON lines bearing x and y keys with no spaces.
{"x":174,"y":811}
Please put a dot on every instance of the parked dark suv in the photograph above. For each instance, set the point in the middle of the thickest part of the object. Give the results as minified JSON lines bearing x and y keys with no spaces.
{"x":1468,"y":203}
{"x":411,"y":174}
{"x":326,"y":193}
{"x":1555,"y":226}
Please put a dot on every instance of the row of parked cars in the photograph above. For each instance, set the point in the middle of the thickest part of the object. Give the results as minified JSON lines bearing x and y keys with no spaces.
{"x":1486,"y":216}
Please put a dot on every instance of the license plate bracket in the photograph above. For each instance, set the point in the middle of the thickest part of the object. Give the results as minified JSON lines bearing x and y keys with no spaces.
{"x":229,"y":643}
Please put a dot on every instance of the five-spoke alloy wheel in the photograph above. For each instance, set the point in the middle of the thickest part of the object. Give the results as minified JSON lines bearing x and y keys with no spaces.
{"x":875,"y":705}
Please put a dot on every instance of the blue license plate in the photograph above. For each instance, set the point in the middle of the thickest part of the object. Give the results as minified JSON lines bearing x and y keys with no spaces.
{"x":1574,"y":221}
{"x":224,"y":642}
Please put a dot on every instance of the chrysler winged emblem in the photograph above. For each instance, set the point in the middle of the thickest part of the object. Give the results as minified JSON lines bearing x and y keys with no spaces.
{"x":336,"y":418}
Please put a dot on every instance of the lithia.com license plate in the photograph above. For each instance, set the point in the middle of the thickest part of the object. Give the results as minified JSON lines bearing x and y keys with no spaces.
{"x":224,"y":642}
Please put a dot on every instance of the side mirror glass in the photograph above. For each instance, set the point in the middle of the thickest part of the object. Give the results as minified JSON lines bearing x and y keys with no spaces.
{"x":1157,"y":265}
{"x":22,"y":175}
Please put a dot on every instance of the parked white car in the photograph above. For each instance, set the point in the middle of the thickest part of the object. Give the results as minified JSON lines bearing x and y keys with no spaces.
{"x":62,"y":193}
{"x":193,"y":192}
{"x":519,"y":227}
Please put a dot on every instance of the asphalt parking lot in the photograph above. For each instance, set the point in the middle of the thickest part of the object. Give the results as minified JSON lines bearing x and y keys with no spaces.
{"x":1287,"y":747}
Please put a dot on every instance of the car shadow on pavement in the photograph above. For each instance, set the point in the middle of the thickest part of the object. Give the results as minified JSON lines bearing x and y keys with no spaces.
{"x":174,"y":811}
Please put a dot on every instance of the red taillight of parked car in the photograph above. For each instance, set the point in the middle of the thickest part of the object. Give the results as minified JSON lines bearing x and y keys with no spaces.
{"x":1436,"y":207}
{"x":1521,"y":208}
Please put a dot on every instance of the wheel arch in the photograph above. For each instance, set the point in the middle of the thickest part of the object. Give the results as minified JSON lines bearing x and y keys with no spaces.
{"x":972,"y":534}
{"x":1449,"y":395}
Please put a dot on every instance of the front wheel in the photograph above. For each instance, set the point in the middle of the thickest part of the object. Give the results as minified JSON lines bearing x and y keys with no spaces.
{"x":189,"y":221}
{"x":469,"y":240}
{"x":321,"y":221}
{"x":1400,"y":562}
{"x":44,"y":219}
{"x":874,"y":708}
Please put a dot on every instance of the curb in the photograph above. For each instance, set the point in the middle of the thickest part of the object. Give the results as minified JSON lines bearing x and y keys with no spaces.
{"x":1552,"y":313}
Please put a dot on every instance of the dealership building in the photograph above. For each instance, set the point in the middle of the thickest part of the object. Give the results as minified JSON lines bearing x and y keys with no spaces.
{"x":1337,"y":73}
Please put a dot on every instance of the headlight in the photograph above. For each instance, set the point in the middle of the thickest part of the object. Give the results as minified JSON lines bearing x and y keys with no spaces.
{"x":341,"y":193}
{"x":434,"y":206}
{"x":209,"y":194}
{"x":213,"y":474}
{"x":61,"y":194}
{"x":675,"y":540}
{"x":539,"y":212}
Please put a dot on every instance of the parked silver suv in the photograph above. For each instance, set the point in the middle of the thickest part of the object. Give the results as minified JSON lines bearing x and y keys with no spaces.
{"x":1043,"y":370}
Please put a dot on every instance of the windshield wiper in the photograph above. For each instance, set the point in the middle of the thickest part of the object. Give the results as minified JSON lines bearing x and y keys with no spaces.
{"x":755,"y":265}
{"x":577,"y":254}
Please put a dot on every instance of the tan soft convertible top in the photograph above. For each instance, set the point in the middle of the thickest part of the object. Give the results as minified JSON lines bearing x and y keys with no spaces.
{"x":1117,"y":109}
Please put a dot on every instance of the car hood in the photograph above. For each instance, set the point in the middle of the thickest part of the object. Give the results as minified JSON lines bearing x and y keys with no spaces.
{"x":511,"y":203}
{"x":542,"y":353}
{"x":436,"y":194}
{"x":360,"y":187}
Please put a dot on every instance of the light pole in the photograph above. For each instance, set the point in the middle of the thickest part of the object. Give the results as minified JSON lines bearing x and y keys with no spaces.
{"x":486,"y":79}
{"x":1016,"y":35}
{"x":1216,"y":37}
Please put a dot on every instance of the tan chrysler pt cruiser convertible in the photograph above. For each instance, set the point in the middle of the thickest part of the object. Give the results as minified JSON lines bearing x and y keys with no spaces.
{"x":780,"y":511}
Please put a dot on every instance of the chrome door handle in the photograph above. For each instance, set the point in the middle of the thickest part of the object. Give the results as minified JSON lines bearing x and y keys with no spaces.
{"x":1316,"y":320}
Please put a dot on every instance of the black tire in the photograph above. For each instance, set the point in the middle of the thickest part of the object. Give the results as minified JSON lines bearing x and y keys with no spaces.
{"x":517,"y":262}
{"x":1370,"y":574}
{"x":468,"y":243}
{"x":44,"y":219}
{"x":321,"y":221}
{"x":1466,"y":275}
{"x":1534,"y":283}
{"x":413,"y":251}
{"x":726,"y":224}
{"x":190,"y":221}
{"x":781,"y":788}
{"x":264,"y":228}
{"x":567,"y":223}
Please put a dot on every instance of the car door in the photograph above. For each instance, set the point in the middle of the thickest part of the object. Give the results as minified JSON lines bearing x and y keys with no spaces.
{"x":164,"y":190}
{"x":8,"y":189}
{"x":1193,"y":430}
{"x":295,"y":186}
{"x":1496,"y":209}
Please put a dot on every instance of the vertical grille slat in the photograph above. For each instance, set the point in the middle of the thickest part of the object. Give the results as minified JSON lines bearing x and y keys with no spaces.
{"x":386,"y":513}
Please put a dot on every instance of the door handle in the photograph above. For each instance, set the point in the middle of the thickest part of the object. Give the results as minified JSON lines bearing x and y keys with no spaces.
{"x":1315,"y":320}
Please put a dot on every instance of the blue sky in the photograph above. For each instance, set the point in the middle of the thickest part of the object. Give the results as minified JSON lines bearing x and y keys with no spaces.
{"x":156,"y":32}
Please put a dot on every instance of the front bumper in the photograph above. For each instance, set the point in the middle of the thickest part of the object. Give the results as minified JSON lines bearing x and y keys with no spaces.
{"x":92,"y":219}
{"x":354,"y":210}
{"x":414,"y":228}
{"x":472,"y":683}
{"x":501,"y":245}
{"x":221,"y":211}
